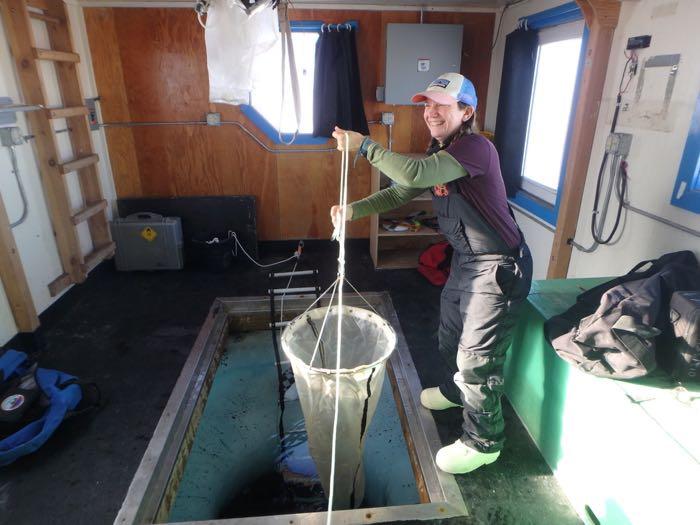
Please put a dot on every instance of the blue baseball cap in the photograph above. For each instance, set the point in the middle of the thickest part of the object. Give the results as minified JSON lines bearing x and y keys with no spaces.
{"x":447,"y":88}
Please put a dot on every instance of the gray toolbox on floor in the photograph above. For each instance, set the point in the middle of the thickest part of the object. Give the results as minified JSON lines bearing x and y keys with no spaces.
{"x":148,"y":241}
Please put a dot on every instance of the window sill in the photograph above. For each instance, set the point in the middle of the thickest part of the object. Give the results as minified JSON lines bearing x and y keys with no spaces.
{"x":303,"y":139}
{"x":537,"y":207}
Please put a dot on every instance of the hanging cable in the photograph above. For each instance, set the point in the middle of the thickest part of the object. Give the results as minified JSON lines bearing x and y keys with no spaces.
{"x":597,"y":219}
{"x":201,"y":7}
{"x":500,"y":20}
{"x":20,"y":187}
{"x":287,"y":45}
{"x":617,"y":175}
{"x":232,"y":234}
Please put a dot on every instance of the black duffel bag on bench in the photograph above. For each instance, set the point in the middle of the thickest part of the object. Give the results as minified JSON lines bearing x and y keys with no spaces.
{"x":612,"y":329}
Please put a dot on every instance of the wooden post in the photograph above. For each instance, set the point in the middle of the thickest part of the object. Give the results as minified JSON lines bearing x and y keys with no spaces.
{"x":601,"y":18}
{"x":13,"y":278}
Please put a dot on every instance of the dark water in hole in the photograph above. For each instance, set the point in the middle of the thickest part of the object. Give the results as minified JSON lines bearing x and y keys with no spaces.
{"x":293,"y":485}
{"x":272,"y":494}
{"x":238,"y":466}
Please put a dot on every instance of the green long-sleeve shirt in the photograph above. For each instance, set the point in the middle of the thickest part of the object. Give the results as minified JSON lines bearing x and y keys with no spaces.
{"x":412,"y":176}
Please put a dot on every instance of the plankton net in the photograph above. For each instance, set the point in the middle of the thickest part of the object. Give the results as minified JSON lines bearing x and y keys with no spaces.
{"x":367,"y":342}
{"x":338,"y":354}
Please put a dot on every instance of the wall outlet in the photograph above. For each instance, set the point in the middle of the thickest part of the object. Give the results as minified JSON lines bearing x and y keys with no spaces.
{"x":387,"y":119}
{"x":213,"y":119}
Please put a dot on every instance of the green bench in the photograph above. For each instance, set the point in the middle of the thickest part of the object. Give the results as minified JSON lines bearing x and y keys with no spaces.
{"x":622,"y":451}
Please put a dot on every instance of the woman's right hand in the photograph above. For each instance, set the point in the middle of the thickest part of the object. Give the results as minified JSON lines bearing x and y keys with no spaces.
{"x":337,"y":215}
{"x":354,"y":139}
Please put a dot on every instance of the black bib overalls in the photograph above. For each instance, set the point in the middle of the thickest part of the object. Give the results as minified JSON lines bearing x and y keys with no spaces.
{"x":488,"y":282}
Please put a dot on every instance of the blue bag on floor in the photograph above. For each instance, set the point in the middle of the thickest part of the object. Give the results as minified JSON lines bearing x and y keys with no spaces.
{"x":33,"y":403}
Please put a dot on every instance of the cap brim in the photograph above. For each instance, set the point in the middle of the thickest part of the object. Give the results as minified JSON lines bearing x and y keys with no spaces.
{"x":440,"y":98}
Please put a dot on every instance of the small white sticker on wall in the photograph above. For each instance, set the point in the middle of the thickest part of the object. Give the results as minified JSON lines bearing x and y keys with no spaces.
{"x":423,"y":64}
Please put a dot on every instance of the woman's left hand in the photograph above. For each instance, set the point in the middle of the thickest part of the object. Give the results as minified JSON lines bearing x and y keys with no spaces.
{"x":354,"y":139}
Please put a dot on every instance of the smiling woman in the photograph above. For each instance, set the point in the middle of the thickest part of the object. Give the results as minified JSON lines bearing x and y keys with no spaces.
{"x":491,"y":265}
{"x":445,"y":119}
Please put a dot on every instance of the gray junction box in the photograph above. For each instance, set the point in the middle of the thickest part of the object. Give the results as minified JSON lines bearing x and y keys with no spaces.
{"x":416,"y":54}
{"x":148,"y":241}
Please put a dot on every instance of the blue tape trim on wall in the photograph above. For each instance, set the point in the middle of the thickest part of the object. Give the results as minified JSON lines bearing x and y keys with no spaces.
{"x":269,"y":130}
{"x":569,"y":12}
{"x":689,"y":170}
{"x":526,"y":201}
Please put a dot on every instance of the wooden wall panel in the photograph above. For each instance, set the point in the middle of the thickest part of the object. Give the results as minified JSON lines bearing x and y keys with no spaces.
{"x":164,"y":62}
{"x":476,"y":49}
{"x":114,"y":106}
{"x":254,"y":173}
{"x":150,"y":65}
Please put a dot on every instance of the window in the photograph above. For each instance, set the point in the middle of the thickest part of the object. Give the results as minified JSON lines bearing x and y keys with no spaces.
{"x":267,"y":90}
{"x":550,"y":109}
{"x":265,"y":109}
{"x":538,"y":137}
{"x":686,"y":193}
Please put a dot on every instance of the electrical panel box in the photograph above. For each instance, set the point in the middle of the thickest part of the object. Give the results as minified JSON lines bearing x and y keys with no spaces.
{"x":618,"y":144}
{"x":416,"y":54}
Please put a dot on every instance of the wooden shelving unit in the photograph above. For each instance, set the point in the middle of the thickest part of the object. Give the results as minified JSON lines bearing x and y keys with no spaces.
{"x":396,"y":250}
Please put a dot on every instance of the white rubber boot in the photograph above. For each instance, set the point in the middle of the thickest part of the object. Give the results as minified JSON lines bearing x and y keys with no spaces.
{"x":458,"y":458}
{"x":433,"y":399}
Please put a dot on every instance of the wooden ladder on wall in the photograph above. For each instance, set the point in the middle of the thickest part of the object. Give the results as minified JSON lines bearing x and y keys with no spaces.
{"x":17,"y":15}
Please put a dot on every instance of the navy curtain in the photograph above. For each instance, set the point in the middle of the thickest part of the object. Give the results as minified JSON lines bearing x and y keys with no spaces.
{"x":514,"y":105}
{"x":337,"y":90}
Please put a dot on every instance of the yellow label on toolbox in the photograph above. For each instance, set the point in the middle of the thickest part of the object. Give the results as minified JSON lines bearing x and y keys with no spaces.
{"x":149,"y":234}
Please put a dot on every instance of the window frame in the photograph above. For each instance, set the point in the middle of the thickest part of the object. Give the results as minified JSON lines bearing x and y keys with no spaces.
{"x":535,"y":202}
{"x":272,"y":133}
{"x":688,"y":176}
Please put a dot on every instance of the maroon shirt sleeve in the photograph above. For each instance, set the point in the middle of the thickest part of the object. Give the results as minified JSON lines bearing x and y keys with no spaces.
{"x":483,"y":187}
{"x":473,"y":153}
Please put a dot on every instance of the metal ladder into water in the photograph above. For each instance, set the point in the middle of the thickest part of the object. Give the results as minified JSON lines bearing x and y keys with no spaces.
{"x":300,"y":292}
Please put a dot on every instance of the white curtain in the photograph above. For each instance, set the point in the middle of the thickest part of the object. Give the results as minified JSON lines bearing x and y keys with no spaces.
{"x":234,"y":38}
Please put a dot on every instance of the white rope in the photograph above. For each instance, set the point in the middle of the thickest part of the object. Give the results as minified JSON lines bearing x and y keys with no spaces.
{"x":288,"y":46}
{"x":341,"y":279}
{"x":320,"y":297}
{"x":323,"y":324}
{"x":232,"y":233}
{"x":361,"y":296}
